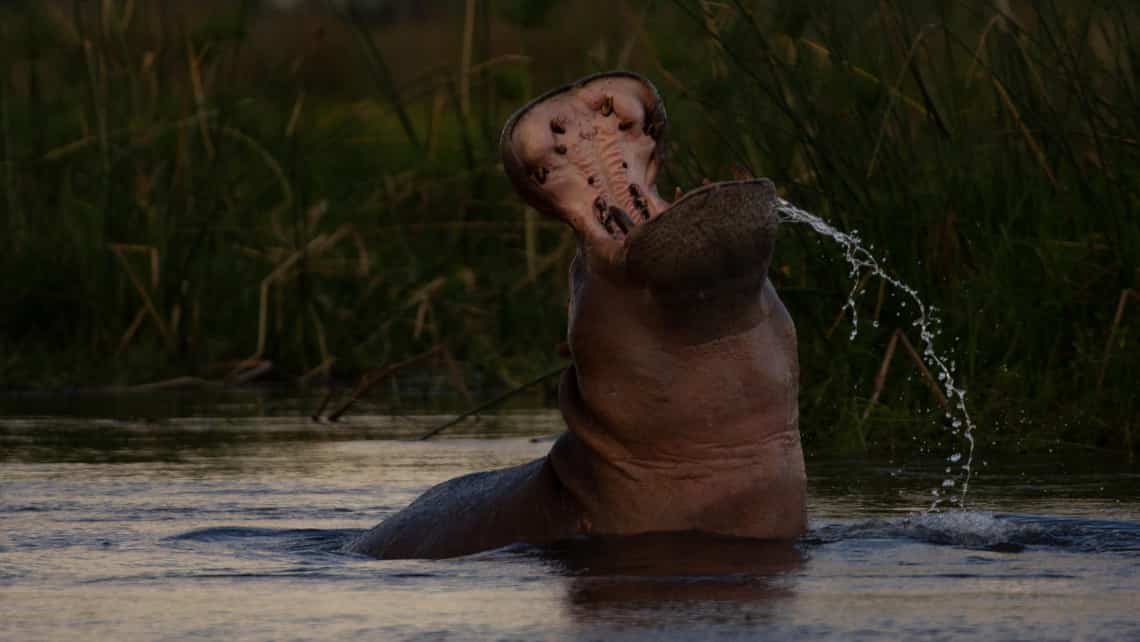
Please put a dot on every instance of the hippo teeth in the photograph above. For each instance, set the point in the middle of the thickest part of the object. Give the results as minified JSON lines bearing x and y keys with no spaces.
{"x":618,"y":215}
{"x":589,"y":153}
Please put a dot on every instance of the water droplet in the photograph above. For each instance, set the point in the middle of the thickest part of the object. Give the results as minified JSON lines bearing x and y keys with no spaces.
{"x":862,"y":263}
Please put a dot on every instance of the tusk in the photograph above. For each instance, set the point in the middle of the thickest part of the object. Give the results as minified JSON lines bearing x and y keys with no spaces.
{"x":619,"y":216}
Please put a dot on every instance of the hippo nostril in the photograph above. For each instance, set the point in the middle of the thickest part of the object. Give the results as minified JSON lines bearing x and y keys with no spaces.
{"x":625,"y":125}
{"x":590,"y":180}
{"x":607,"y":105}
{"x":619,"y":216}
{"x":560,"y":149}
{"x":557,"y":127}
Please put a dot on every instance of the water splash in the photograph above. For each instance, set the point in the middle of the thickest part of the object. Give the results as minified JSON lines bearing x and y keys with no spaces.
{"x":928,"y":323}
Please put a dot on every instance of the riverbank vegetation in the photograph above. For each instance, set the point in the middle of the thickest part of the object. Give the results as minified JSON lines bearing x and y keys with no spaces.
{"x":205,"y":189}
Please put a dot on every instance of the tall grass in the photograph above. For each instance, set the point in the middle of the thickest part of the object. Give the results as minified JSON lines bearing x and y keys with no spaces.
{"x":181,"y":201}
{"x":989,"y":152}
{"x":198,"y":189}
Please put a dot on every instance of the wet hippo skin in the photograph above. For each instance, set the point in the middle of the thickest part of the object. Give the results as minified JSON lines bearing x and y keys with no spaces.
{"x":681,"y":404}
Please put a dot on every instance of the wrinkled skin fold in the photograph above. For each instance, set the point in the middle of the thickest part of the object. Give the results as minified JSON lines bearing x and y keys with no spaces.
{"x":681,"y":404}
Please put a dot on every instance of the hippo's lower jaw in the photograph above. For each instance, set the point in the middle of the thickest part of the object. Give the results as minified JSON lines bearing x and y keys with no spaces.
{"x":681,"y":405}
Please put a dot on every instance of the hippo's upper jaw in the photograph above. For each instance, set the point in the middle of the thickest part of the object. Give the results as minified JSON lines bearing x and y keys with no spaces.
{"x":589,"y":154}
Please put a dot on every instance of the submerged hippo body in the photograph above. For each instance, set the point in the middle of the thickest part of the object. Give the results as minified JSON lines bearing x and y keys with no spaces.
{"x":681,"y":405}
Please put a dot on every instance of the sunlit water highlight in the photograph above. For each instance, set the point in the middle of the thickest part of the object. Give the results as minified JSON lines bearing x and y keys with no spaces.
{"x":861,"y":261}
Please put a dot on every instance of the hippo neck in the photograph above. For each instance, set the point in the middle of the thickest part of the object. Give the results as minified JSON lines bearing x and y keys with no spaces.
{"x":753,"y":489}
{"x":681,"y":414}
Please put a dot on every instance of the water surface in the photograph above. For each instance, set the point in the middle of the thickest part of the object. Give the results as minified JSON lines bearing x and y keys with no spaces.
{"x":142,"y":522}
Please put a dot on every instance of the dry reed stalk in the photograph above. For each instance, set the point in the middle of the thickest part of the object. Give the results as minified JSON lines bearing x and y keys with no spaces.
{"x":879,"y":299}
{"x":175,"y":319}
{"x":566,"y":243}
{"x":493,"y":402}
{"x":421,"y":299}
{"x":530,"y":234}
{"x":898,"y":337}
{"x":1038,"y":153}
{"x":881,"y":374}
{"x":890,"y":98}
{"x":1007,"y":101}
{"x":134,"y":326}
{"x":315,"y":248}
{"x":1042,"y":92}
{"x":118,"y":250}
{"x":324,"y":368}
{"x":922,"y":370}
{"x":295,"y":114}
{"x":150,"y":71}
{"x":455,"y":375}
{"x":15,"y":221}
{"x":274,"y":167}
{"x":316,"y":416}
{"x":68,"y":148}
{"x":382,"y":75}
{"x":177,"y":383}
{"x":465,"y":59}
{"x":438,"y":102}
{"x":194,"y":62}
{"x":868,"y":76}
{"x":127,"y":15}
{"x":314,"y":214}
{"x":498,"y":60}
{"x":370,"y":379}
{"x":181,"y":383}
{"x":322,"y":341}
{"x":981,"y":45}
{"x":86,"y":139}
{"x":635,"y":28}
{"x":1129,"y":443}
{"x":843,"y":311}
{"x":1121,"y":303}
{"x":94,"y":68}
{"x":255,"y":371}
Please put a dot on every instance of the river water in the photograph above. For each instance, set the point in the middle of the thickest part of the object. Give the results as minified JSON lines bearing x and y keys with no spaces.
{"x":224,"y":518}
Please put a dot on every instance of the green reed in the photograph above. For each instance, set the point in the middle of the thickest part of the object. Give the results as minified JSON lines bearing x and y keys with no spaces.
{"x":194,"y":191}
{"x":990,"y":156}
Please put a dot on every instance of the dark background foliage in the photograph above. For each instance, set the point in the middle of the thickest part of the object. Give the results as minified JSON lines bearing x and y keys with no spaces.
{"x":190,"y":189}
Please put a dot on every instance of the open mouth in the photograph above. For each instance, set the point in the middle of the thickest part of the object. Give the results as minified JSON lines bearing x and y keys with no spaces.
{"x":589,"y":154}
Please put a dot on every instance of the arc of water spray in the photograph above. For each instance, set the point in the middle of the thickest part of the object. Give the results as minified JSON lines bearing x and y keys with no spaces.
{"x":859,"y":258}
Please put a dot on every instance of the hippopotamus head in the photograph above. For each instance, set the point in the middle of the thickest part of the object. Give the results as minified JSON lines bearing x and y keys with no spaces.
{"x":589,"y":154}
{"x":682,"y":402}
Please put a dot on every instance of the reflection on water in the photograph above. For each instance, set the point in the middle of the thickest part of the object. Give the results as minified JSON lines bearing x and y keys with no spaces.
{"x":611,"y":575}
{"x":139,"y":525}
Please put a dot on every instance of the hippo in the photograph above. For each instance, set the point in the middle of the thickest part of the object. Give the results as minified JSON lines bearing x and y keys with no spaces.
{"x":681,"y":402}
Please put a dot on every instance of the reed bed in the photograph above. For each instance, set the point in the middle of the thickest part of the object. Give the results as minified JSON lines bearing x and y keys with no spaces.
{"x":226,"y":191}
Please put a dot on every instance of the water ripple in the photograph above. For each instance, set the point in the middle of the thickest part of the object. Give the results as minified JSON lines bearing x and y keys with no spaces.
{"x":1009,"y":533}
